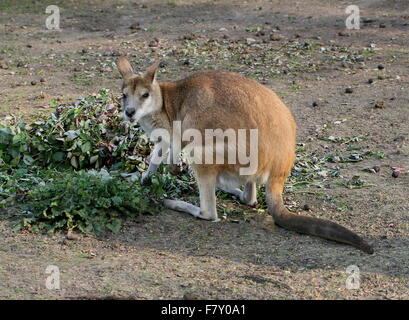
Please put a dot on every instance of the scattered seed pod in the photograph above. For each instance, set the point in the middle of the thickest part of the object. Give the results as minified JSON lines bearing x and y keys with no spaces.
{"x":315,"y":104}
{"x":275,"y":37}
{"x":379,"y":105}
{"x":376,"y":168}
{"x":189,"y":37}
{"x":370,"y":80}
{"x":186,"y":62}
{"x":381,"y":78}
{"x":189,"y":296}
{"x":395,"y":173}
{"x":349,"y":90}
{"x":33,"y":83}
{"x":381,"y":67}
{"x":306,"y":207}
{"x":72,"y":236}
{"x":368,"y":20}
{"x":135,"y":26}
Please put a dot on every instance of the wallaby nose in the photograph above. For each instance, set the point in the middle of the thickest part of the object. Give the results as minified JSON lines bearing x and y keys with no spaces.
{"x":130,"y":112}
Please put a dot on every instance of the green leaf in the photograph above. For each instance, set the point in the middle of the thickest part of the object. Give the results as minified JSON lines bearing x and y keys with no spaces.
{"x":28,"y":160}
{"x":74,"y":162}
{"x":17,"y":138}
{"x":58,"y":156}
{"x":5,"y":132}
{"x":86,"y":147}
{"x":114,"y":225}
{"x":93,"y":159}
{"x":71,"y":134}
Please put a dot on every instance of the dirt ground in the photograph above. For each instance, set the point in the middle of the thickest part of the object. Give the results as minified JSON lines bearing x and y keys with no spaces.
{"x":171,"y":255}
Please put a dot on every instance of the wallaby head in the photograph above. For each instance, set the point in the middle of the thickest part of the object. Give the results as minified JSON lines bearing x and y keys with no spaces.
{"x":141,"y":95}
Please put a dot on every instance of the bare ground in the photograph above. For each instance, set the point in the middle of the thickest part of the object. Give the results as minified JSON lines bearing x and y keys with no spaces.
{"x":171,"y":255}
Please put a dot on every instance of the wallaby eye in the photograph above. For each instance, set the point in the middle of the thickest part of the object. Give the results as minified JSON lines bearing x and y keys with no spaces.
{"x":145,"y":95}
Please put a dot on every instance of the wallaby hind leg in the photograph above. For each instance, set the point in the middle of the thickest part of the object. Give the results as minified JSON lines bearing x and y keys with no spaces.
{"x":248,"y":196}
{"x":207,"y":210}
{"x":206,"y":181}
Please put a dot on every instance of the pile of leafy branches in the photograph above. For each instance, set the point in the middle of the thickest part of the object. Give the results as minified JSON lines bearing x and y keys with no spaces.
{"x":68,"y":172}
{"x":88,"y":201}
{"x":87,"y":134}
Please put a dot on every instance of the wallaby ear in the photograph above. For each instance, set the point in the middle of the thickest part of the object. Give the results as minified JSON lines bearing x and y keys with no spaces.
{"x":125,"y":67}
{"x":151,"y":72}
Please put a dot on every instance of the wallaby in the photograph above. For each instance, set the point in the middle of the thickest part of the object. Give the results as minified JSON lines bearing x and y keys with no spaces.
{"x":225,"y":100}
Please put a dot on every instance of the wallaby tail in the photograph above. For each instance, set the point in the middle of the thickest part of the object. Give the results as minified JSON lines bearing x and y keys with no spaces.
{"x":312,"y":226}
